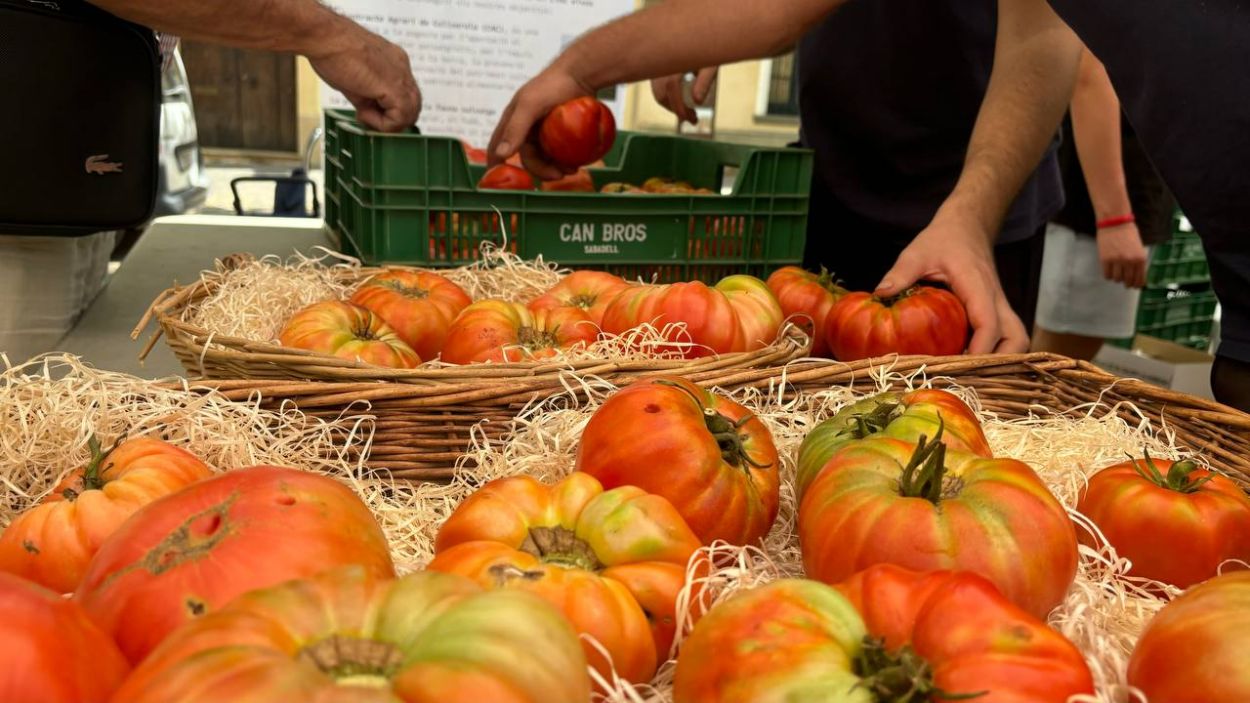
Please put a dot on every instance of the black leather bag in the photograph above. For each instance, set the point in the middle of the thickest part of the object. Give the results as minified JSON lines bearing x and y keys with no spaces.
{"x":80,"y":100}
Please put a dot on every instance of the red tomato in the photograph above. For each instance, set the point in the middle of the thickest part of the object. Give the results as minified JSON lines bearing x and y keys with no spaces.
{"x":348,"y":331}
{"x":499,"y":331}
{"x":585,"y":551}
{"x":473,"y":154}
{"x":759,"y":314}
{"x":1176,"y":523}
{"x":192,"y":552}
{"x":711,"y":325}
{"x":809,"y":296}
{"x":579,"y":182}
{"x":52,"y":542}
{"x":53,"y":653}
{"x":889,"y":635}
{"x":709,"y":456}
{"x":348,"y":636}
{"x":506,"y":177}
{"x":418,"y":305}
{"x":589,"y":291}
{"x":883,"y":500}
{"x":577,"y":132}
{"x":1194,"y":650}
{"x":921,"y":320}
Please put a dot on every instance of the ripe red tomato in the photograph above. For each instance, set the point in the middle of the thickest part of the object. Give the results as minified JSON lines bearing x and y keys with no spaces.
{"x":711,"y":325}
{"x":578,"y":132}
{"x":52,"y":542}
{"x":888,"y":634}
{"x":613,"y":562}
{"x":53,"y":653}
{"x":759,"y":314}
{"x":1194,"y":650}
{"x":348,"y":331}
{"x":883,"y":500}
{"x":350,"y":636}
{"x":810,"y":297}
{"x":499,"y":331}
{"x":192,"y":552}
{"x":709,"y":456}
{"x":922,"y":320}
{"x":589,"y":291}
{"x":579,"y":182}
{"x":418,"y":305}
{"x":506,"y":177}
{"x":1176,"y":523}
{"x":473,"y":154}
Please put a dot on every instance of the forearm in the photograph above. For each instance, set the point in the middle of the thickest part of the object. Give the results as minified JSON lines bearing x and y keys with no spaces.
{"x":1096,"y":132}
{"x":1031,"y":84}
{"x":298,"y":26}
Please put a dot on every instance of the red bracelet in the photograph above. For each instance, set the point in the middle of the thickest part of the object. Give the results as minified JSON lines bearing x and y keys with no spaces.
{"x":1116,"y":221}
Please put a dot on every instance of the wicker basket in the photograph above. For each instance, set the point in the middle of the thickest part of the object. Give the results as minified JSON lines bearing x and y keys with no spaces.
{"x":422,"y":431}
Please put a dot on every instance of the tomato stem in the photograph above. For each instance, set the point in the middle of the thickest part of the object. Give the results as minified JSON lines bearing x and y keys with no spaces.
{"x":901,"y":676}
{"x":725,"y":431}
{"x":1177,"y":479}
{"x":924,"y":475}
{"x":361,"y":660}
{"x":559,"y":545}
{"x":92,"y":473}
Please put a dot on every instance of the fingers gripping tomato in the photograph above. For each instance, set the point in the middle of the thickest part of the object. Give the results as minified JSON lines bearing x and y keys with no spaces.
{"x":418,"y":305}
{"x":348,"y":331}
{"x":709,"y":456}
{"x":921,"y":320}
{"x":810,"y":297}
{"x":588,"y":291}
{"x":613,"y":562}
{"x":578,"y":132}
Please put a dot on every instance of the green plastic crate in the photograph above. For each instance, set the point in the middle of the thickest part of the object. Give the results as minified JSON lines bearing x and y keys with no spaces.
{"x":1166,"y":306}
{"x":412,"y":199}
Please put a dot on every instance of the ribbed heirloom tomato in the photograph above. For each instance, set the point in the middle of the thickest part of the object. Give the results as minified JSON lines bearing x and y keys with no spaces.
{"x":53,"y":653}
{"x":497,"y":330}
{"x":709,"y":456}
{"x":888,"y":634}
{"x":578,"y":132}
{"x":921,"y":320}
{"x":506,"y":177}
{"x":1194,"y":650}
{"x":883,"y":500}
{"x":810,"y":296}
{"x":905,"y":416}
{"x":711,"y":325}
{"x":613,"y":562}
{"x":348,"y":331}
{"x":1176,"y":523}
{"x":52,"y":542}
{"x":418,"y":305}
{"x":589,"y":291}
{"x":759,"y":313}
{"x":193,"y":551}
{"x":348,"y":635}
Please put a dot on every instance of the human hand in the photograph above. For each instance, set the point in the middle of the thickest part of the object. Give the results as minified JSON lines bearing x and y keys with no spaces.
{"x":518,"y":125}
{"x":668,"y":93}
{"x":1122,"y":255}
{"x":960,"y":256}
{"x":376,"y":78}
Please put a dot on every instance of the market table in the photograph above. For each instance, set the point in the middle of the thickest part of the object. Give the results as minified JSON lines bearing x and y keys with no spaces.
{"x":175,"y":249}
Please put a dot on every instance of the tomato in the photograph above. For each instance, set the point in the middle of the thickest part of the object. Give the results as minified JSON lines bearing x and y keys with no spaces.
{"x":473,"y":154}
{"x":709,"y":325}
{"x":579,"y":182}
{"x":905,"y":416}
{"x":590,"y":291}
{"x":759,"y":314}
{"x":348,"y":635}
{"x":52,"y":542}
{"x":577,"y":132}
{"x":809,"y":296}
{"x":192,"y":552}
{"x":887,"y":635}
{"x":631,"y":307}
{"x":348,"y":331}
{"x":583,"y":550}
{"x":709,"y":456}
{"x":883,"y":500}
{"x":506,"y":177}
{"x":1194,"y":650}
{"x":53,"y":653}
{"x":418,"y":305}
{"x":1176,"y":523}
{"x":621,"y":188}
{"x":496,"y":330}
{"x":921,"y":320}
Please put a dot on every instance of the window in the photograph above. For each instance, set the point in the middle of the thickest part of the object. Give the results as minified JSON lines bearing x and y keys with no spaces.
{"x":782,"y":90}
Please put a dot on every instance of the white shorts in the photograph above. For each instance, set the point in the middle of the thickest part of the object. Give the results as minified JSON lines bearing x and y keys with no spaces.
{"x":1074,"y":298}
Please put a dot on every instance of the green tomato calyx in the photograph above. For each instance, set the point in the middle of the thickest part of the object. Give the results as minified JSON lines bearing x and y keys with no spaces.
{"x":901,"y":676}
{"x":1178,"y":477}
{"x":925,"y":476}
{"x":559,"y":545}
{"x":727,"y":433}
{"x":93,"y":473}
{"x":354,"y":661}
{"x":534,"y":340}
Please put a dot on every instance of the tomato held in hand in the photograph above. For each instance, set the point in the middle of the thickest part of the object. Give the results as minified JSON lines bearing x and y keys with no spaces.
{"x":578,"y":132}
{"x":883,"y":500}
{"x":810,"y":297}
{"x":759,"y":314}
{"x":1177,"y":523}
{"x":588,"y":291}
{"x":499,"y":331}
{"x":348,"y":331}
{"x":418,"y":305}
{"x":709,"y":456}
{"x":1194,"y":650}
{"x":614,"y":562}
{"x":506,"y":177}
{"x":921,"y":320}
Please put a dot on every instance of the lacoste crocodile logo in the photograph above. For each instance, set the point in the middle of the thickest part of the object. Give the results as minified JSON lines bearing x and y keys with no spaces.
{"x":100,"y":165}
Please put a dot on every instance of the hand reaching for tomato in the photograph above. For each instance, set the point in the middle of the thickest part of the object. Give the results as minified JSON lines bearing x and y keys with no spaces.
{"x":517,"y":130}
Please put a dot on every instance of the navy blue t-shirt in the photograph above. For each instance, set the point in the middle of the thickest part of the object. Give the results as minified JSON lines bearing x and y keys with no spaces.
{"x":889,"y":92}
{"x":1182,"y":71}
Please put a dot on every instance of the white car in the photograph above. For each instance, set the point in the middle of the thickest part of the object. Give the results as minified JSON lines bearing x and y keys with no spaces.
{"x":183,"y":182}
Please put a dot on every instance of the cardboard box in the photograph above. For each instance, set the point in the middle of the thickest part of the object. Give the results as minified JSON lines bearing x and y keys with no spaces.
{"x":1161,"y":363}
